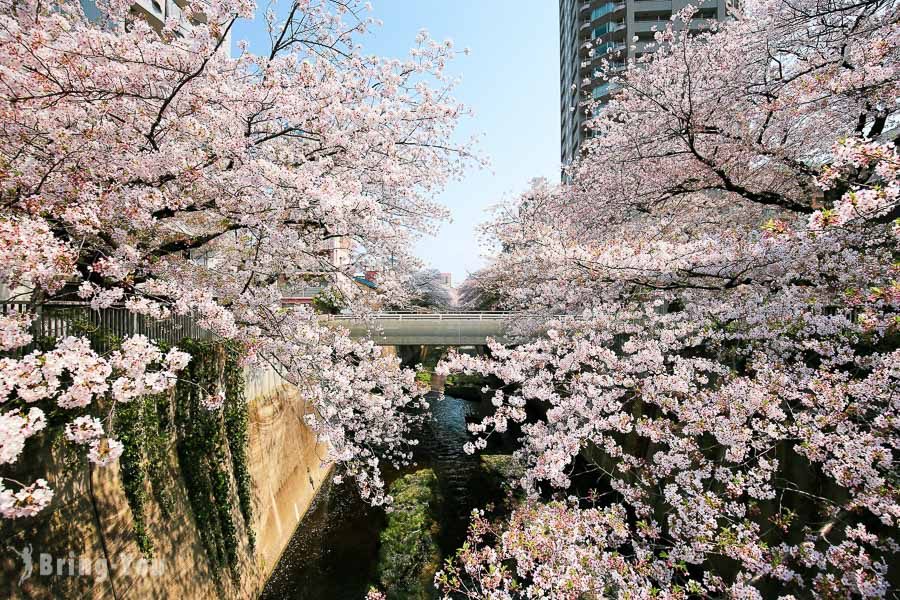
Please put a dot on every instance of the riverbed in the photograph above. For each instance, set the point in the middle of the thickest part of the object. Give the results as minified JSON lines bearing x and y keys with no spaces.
{"x":333,"y":554}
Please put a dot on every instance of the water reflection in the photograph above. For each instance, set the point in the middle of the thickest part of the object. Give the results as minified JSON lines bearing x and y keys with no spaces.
{"x":333,"y":552}
{"x":440,"y":448}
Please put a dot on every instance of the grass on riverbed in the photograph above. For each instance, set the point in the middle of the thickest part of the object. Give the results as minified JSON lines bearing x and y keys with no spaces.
{"x":409,"y":555}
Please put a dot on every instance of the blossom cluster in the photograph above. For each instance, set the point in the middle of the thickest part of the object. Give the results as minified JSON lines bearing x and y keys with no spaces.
{"x":71,"y":377}
{"x":708,"y":371}
{"x":870,"y":201}
{"x":28,"y":501}
{"x":174,"y":181}
{"x":367,"y":406}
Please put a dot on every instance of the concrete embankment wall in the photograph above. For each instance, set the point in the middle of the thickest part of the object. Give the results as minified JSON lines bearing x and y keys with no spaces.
{"x":91,"y":519}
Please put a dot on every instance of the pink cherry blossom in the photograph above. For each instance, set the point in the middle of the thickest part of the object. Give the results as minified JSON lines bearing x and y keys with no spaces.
{"x":709,"y":329}
{"x":84,"y":430}
{"x":104,"y":451}
{"x":170,"y":180}
{"x":26,"y":502}
{"x":213,"y":401}
{"x":15,"y":428}
{"x":14,"y":331}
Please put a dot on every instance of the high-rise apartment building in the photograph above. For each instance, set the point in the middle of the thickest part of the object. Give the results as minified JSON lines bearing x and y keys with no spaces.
{"x":609,"y":28}
{"x":158,"y":13}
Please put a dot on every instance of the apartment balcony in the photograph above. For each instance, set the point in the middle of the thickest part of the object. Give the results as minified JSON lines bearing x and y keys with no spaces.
{"x":595,"y":9}
{"x":615,"y":13}
{"x":656,"y":6}
{"x":607,"y":28}
{"x":610,"y":43}
{"x":154,"y":9}
{"x":606,"y":10}
{"x":158,"y":12}
{"x":660,"y":23}
{"x":604,"y":50}
{"x":610,"y":50}
{"x":605,"y":90}
{"x":599,"y":94}
{"x":612,"y":67}
{"x":650,"y":24}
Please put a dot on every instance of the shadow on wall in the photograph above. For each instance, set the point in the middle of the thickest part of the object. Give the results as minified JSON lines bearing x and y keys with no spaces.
{"x":83,"y":546}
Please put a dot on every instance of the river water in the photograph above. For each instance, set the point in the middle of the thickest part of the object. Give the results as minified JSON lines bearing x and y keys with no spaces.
{"x":333,"y":553}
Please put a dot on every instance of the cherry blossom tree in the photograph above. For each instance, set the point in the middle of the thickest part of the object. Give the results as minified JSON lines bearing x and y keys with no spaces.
{"x":428,"y":291}
{"x":711,"y":402}
{"x":474,"y":293}
{"x":148,"y":169}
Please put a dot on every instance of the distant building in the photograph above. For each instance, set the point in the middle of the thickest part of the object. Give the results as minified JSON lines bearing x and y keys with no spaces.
{"x":608,"y":27}
{"x":338,"y":250}
{"x":446,"y":279}
{"x":157,"y":12}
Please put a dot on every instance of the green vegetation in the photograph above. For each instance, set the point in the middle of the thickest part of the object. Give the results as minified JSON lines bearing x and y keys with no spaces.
{"x":329,"y":301}
{"x":211,"y":447}
{"x":130,"y":427}
{"x":236,"y":422}
{"x":504,"y":467}
{"x":501,"y":474}
{"x":409,"y":556}
{"x":467,"y":387}
{"x":203,"y":446}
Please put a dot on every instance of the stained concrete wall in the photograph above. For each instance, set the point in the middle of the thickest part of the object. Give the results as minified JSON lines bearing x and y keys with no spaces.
{"x":90,"y":517}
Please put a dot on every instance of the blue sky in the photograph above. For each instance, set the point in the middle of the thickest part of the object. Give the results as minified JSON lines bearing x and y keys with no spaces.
{"x":511,"y":81}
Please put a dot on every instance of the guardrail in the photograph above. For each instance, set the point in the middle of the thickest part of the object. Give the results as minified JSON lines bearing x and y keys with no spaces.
{"x":104,"y":327}
{"x":414,"y":316}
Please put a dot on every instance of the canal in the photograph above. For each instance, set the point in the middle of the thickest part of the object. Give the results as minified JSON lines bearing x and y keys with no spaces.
{"x":333,"y":554}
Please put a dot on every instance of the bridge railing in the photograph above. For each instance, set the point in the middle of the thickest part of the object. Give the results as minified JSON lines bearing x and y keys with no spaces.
{"x":447,"y":316}
{"x":416,"y":316}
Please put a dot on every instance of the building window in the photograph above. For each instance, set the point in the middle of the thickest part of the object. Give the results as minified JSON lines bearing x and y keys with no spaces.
{"x":606,"y":28}
{"x":604,"y":9}
{"x":603,"y":89}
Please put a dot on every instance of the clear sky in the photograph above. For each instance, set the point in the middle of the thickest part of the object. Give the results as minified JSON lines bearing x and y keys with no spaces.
{"x":511,"y":81}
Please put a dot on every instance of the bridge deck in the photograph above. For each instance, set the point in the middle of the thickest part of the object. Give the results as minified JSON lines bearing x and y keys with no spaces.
{"x":430,"y":329}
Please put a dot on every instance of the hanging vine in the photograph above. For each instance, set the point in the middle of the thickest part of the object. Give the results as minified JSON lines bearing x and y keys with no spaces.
{"x":236,"y":421}
{"x":158,"y":441}
{"x":210,"y":444}
{"x":203,"y":448}
{"x":129,"y":429}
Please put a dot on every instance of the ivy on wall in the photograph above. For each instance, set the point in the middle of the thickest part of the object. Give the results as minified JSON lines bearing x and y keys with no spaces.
{"x":158,"y":424}
{"x":210,"y":445}
{"x":235,"y":414}
{"x":129,"y":426}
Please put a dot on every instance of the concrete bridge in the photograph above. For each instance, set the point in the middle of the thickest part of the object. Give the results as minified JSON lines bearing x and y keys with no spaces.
{"x":431,"y":329}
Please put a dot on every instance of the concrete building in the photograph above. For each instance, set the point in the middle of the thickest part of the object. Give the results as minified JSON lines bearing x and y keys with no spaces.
{"x":609,"y":27}
{"x":339,"y":251}
{"x":157,"y":12}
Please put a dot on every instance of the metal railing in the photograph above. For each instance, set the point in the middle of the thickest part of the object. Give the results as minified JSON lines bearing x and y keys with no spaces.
{"x":104,"y":327}
{"x":418,"y":316}
{"x":441,"y":316}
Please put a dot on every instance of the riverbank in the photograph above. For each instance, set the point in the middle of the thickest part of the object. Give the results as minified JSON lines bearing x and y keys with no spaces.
{"x":334,"y":551}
